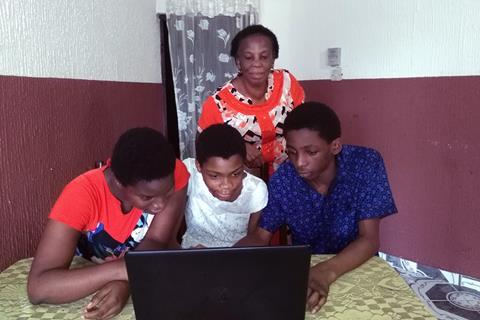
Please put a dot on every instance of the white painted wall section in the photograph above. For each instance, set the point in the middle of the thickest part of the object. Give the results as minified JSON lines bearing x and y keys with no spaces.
{"x":379,"y":38}
{"x":117,"y":40}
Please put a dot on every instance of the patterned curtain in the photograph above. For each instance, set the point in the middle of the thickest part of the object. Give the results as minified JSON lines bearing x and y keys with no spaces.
{"x":200,"y":32}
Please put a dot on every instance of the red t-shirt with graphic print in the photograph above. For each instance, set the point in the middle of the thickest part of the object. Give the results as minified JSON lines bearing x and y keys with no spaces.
{"x":87,"y":205}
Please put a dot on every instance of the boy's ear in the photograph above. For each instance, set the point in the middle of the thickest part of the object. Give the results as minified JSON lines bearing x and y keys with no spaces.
{"x":198,"y":165}
{"x":336,"y":146}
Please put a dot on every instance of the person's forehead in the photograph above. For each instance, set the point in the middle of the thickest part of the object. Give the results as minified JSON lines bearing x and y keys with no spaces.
{"x":304,"y":137}
{"x":219,"y":163}
{"x":154,"y":187}
{"x":256,"y":38}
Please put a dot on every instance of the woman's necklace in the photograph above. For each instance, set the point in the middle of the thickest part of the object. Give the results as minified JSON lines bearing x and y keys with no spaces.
{"x":256,"y":94}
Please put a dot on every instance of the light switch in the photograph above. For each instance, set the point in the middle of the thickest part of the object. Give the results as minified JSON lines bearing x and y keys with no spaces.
{"x":334,"y":56}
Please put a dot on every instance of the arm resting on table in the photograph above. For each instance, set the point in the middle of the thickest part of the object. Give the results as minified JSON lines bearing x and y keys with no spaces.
{"x":356,"y":253}
{"x":51,"y":281}
{"x":323,"y":274}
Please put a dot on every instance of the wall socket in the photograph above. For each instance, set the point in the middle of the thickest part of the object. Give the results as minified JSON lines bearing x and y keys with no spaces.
{"x":334,"y":56}
{"x":336,"y":74}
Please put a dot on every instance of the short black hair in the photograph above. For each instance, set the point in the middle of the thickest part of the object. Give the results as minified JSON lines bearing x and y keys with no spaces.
{"x":219,"y":140}
{"x":142,"y":154}
{"x":251,"y":30}
{"x":315,"y":116}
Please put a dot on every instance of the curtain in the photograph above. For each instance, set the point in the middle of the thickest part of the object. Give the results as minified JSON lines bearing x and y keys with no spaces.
{"x":200,"y":32}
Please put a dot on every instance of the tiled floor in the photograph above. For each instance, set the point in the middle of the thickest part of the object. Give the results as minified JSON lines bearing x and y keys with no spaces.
{"x":449,"y":296}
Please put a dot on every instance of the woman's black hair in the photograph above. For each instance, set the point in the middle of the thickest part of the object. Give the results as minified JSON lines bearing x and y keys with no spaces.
{"x":314,"y":116}
{"x":219,"y":140}
{"x":142,"y":154}
{"x":254,"y":30}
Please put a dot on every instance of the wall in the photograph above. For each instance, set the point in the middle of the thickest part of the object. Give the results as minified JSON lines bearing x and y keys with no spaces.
{"x":379,"y":39}
{"x":115,"y":40}
{"x":73,"y":76}
{"x":411,"y":90}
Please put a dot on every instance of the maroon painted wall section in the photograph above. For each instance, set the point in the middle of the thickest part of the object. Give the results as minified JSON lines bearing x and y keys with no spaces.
{"x":52,"y":130}
{"x":428,"y":130}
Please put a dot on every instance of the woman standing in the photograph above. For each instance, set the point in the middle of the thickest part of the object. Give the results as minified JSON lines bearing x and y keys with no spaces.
{"x":257,"y":101}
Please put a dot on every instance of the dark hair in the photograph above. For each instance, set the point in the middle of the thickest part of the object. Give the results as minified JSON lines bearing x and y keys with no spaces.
{"x":315,"y":116}
{"x":251,"y":30}
{"x":142,"y":154}
{"x":219,"y":140}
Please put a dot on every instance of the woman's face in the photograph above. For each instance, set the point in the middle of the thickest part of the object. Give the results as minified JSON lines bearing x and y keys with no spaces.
{"x":255,"y":59}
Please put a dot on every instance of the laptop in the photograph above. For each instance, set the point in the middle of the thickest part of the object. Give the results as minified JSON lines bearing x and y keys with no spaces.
{"x":220,"y":283}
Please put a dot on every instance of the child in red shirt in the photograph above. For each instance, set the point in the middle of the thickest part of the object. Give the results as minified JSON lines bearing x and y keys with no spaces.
{"x":137,"y":200}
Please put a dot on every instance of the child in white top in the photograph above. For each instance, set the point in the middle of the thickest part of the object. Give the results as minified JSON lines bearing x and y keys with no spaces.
{"x":224,"y":202}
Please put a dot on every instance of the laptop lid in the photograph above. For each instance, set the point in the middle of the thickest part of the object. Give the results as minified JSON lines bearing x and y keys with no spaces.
{"x":220,"y":283}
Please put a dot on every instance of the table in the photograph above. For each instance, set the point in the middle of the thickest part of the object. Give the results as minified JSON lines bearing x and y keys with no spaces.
{"x":374,"y":291}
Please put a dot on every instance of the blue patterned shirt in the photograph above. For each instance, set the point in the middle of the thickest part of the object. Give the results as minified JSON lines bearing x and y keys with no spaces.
{"x":329,"y":223}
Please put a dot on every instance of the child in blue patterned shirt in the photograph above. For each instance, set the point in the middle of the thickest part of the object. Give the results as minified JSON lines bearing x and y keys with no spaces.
{"x":331,"y":196}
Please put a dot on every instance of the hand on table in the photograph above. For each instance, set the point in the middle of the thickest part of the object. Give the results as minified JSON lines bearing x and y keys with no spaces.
{"x":108,"y":301}
{"x":254,"y":156}
{"x":319,"y":280}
